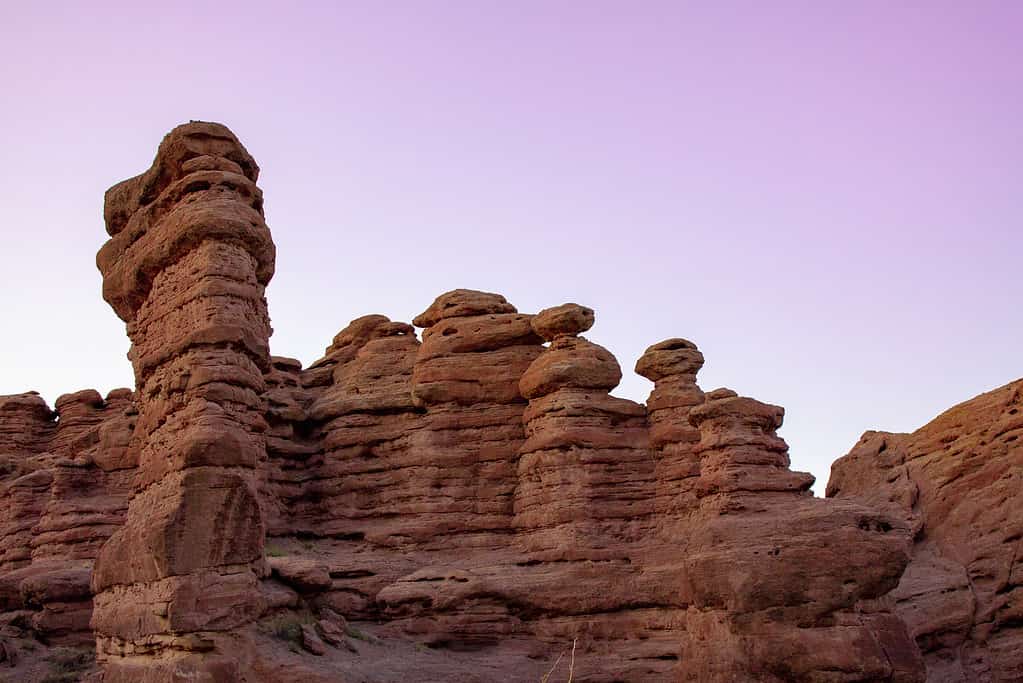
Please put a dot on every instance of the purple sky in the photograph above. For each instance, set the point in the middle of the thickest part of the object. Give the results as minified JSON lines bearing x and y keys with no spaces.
{"x":825,"y":197}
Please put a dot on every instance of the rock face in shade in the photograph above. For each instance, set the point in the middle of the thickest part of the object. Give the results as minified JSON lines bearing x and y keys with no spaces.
{"x":958,"y":483}
{"x":468,"y":504}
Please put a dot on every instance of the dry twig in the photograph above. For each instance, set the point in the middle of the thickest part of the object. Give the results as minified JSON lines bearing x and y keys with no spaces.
{"x":548,"y":674}
{"x":571,"y":664}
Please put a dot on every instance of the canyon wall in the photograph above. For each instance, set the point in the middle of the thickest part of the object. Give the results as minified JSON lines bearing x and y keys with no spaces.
{"x":470,"y":503}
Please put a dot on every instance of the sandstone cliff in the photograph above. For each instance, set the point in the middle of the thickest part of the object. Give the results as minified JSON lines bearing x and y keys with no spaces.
{"x":468,"y":504}
{"x":958,"y":482}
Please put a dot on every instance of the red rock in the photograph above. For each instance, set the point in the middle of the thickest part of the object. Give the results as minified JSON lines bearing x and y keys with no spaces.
{"x":584,"y":471}
{"x":566,"y":319}
{"x":778,"y":577}
{"x":476,"y":503}
{"x":26,"y":423}
{"x":462,"y":302}
{"x":957,"y":483}
{"x":571,"y":362}
{"x":331,"y":633}
{"x":302,"y":574}
{"x":311,"y":642}
{"x":672,"y":366}
{"x":186,"y":266}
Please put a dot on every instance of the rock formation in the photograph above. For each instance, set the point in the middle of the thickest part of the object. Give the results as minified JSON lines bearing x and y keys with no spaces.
{"x":584,"y":471}
{"x":672,"y":366}
{"x":779,"y":579}
{"x":185,"y":267}
{"x":958,"y":483}
{"x":473,"y":505}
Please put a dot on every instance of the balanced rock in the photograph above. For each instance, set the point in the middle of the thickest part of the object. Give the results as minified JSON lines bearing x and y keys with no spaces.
{"x":672,"y":365}
{"x":564,"y":320}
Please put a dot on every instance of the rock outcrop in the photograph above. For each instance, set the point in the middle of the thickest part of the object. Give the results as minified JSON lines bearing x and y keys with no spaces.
{"x":958,"y":483}
{"x":672,"y":366}
{"x":584,"y":471}
{"x":186,"y":266}
{"x":780,"y":579}
{"x":471,"y":503}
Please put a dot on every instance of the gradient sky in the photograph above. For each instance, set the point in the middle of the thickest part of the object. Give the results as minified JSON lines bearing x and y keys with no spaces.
{"x":826,"y":197}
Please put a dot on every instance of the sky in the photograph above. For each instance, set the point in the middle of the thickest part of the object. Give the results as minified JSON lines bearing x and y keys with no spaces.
{"x":825,"y":197}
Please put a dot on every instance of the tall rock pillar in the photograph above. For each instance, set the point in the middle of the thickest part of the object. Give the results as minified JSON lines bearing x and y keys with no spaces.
{"x":185,"y":268}
{"x":584,"y":470}
{"x":672,"y":366}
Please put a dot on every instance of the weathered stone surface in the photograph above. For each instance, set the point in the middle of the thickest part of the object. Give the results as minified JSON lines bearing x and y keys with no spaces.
{"x":311,"y":641}
{"x":26,"y":422}
{"x":566,"y":319}
{"x":672,"y":366}
{"x":186,"y":266}
{"x":571,"y":362}
{"x":958,"y":483}
{"x":57,"y":508}
{"x":777,"y":578}
{"x":585,"y":469}
{"x":462,"y":302}
{"x":300,"y":573}
{"x":469,"y":506}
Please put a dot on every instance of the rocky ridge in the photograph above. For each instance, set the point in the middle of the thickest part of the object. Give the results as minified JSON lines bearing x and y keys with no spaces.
{"x":465,"y":504}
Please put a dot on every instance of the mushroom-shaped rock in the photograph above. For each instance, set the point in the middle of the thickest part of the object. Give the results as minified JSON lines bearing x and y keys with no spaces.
{"x":670,"y":357}
{"x":459,"y":303}
{"x":585,"y":470}
{"x":672,"y":365}
{"x":474,"y":351}
{"x":571,"y":362}
{"x":564,"y":320}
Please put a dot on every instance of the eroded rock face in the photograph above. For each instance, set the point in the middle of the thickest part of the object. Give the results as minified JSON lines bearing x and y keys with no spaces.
{"x":779,"y":579}
{"x":464,"y":504}
{"x":584,"y":471}
{"x":958,"y":483}
{"x":65,"y":479}
{"x":186,"y":266}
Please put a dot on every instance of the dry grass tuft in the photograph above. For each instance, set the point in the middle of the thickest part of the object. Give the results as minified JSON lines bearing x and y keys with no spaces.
{"x":571,"y":664}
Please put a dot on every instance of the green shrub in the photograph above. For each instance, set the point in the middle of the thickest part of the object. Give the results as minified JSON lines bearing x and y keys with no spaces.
{"x":68,"y":664}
